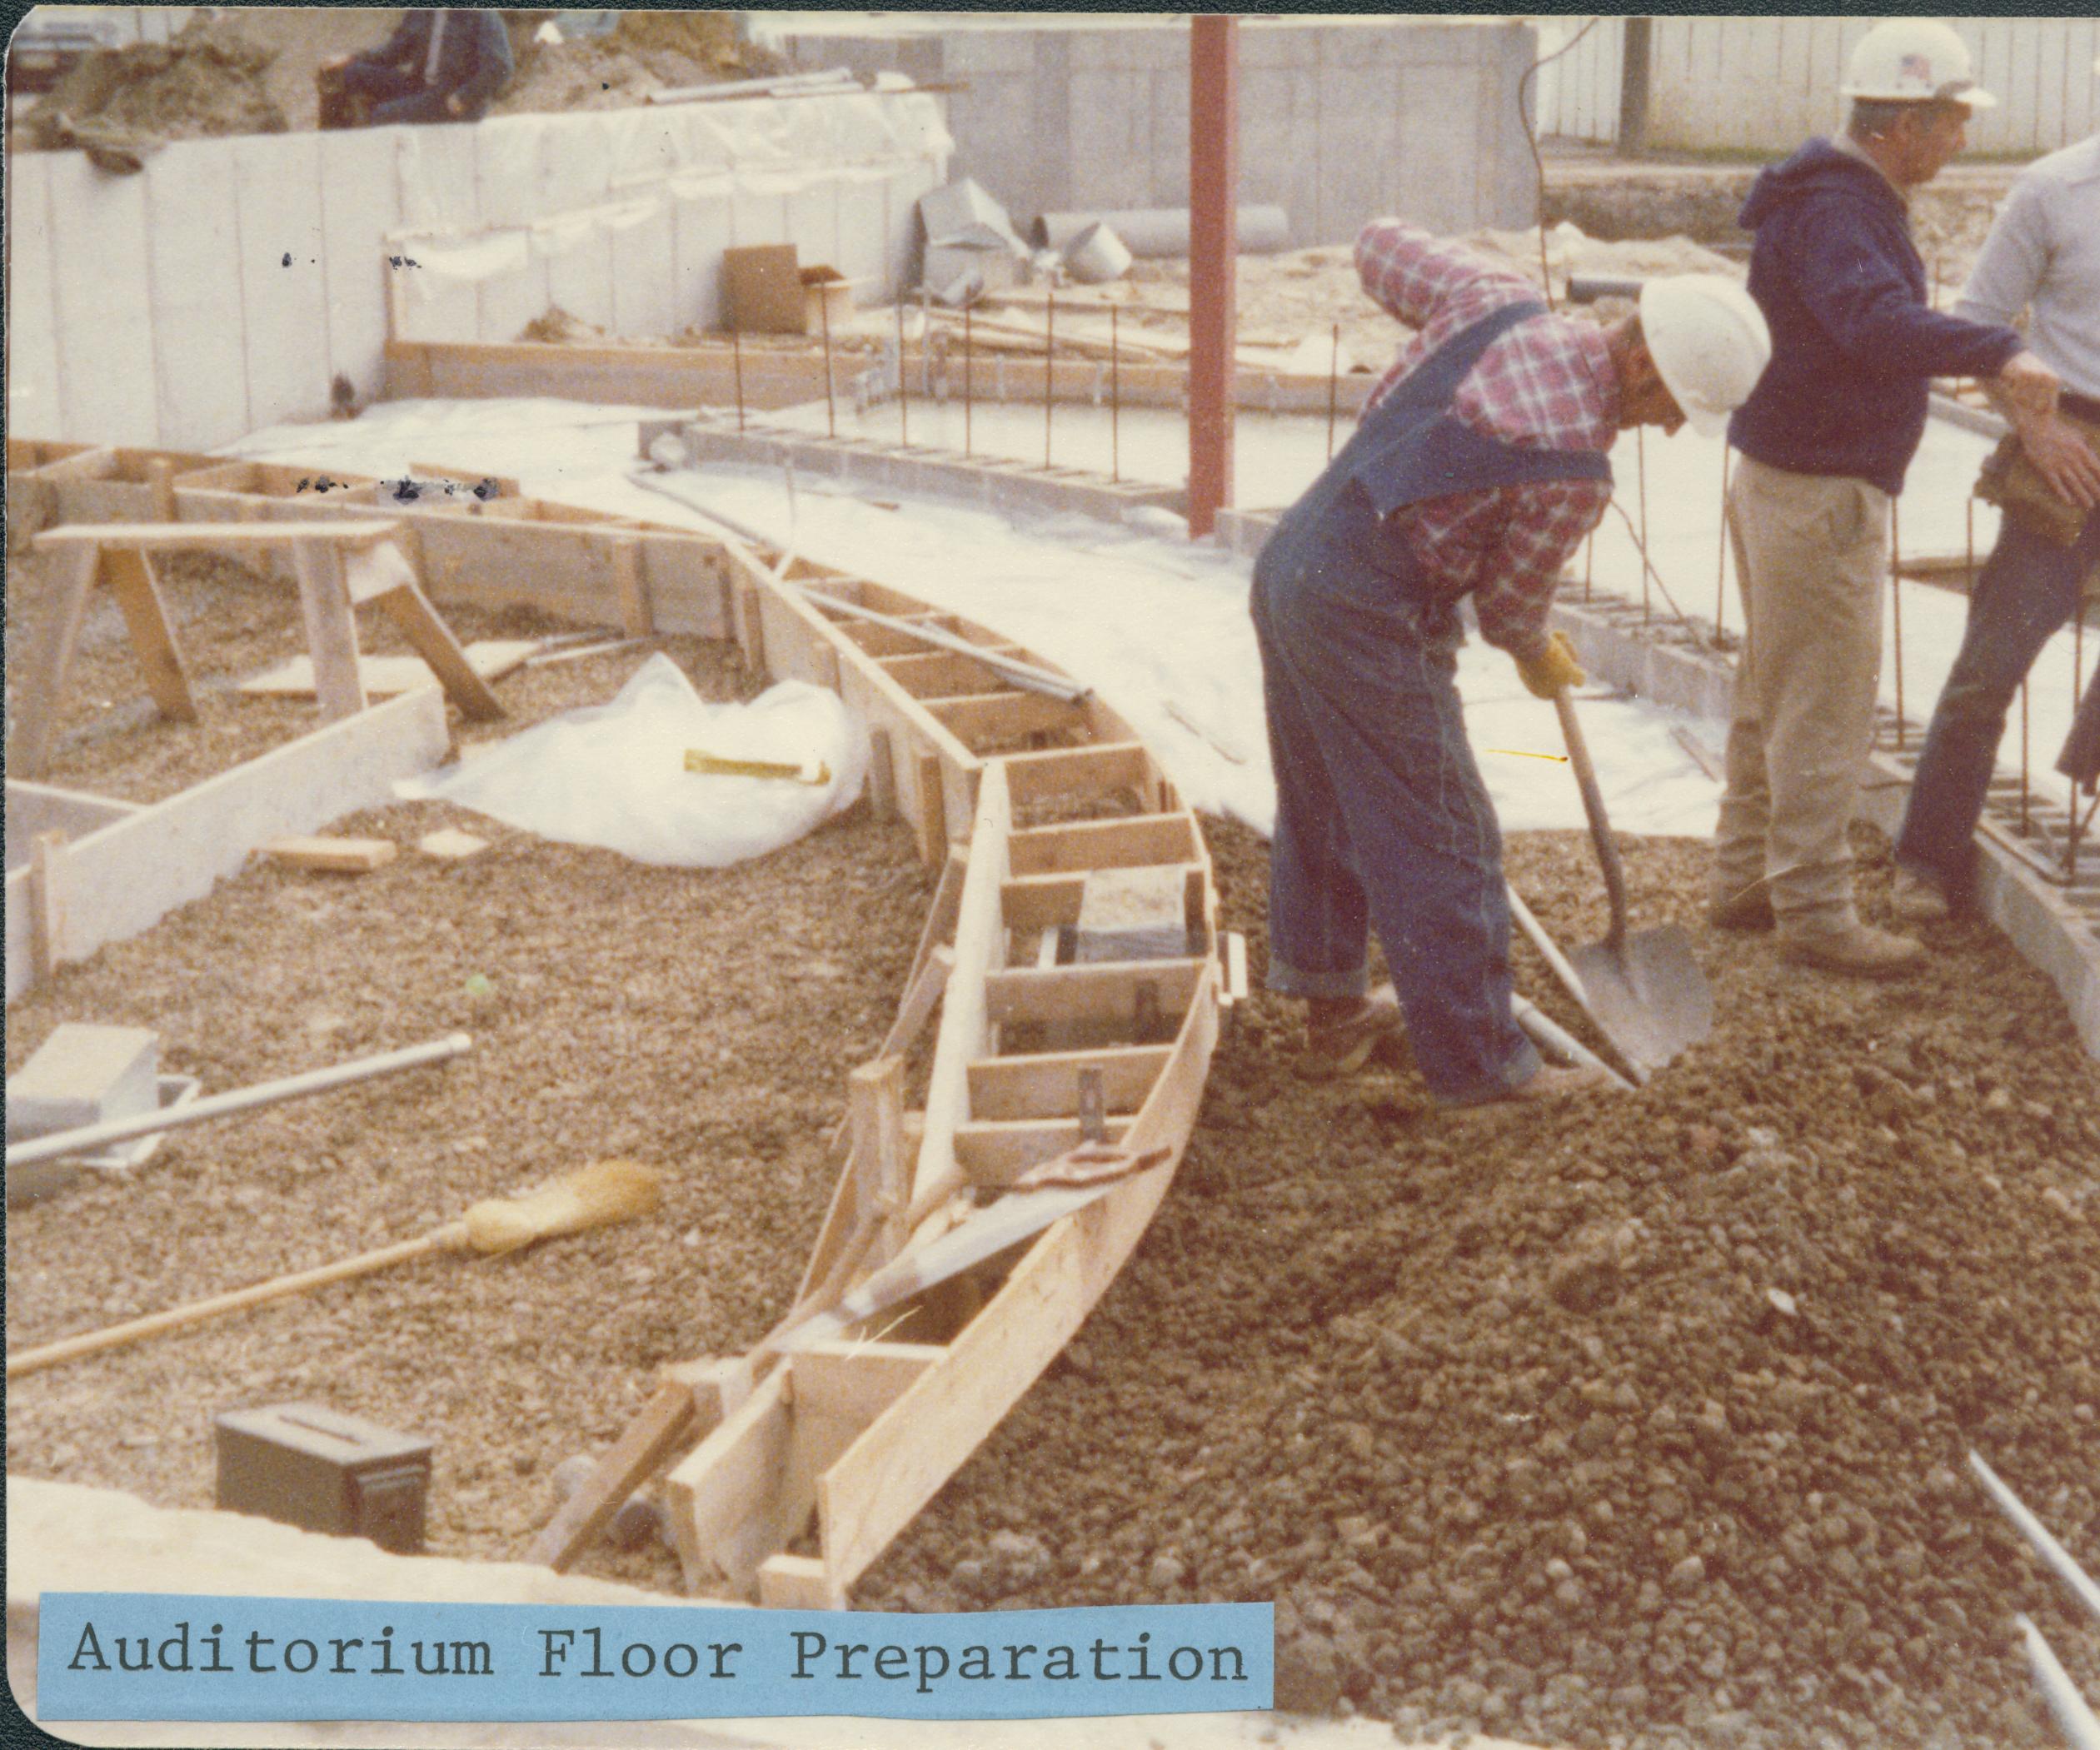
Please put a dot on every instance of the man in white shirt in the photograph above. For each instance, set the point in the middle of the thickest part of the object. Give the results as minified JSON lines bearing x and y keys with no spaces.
{"x":2044,"y":252}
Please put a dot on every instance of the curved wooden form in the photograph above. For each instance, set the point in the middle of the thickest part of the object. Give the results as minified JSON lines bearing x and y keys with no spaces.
{"x":1059,"y":798}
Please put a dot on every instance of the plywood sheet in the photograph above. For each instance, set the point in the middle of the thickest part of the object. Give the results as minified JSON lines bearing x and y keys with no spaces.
{"x":284,"y":304}
{"x":384,"y":676}
{"x":201,"y":382}
{"x":34,"y":405}
{"x":105,"y":327}
{"x":360,"y":203}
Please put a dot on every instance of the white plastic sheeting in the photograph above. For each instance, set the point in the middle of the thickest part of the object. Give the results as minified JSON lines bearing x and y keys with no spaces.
{"x":615,"y":775}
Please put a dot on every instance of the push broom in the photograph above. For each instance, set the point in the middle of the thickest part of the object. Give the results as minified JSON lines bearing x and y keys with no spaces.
{"x":595,"y":1196}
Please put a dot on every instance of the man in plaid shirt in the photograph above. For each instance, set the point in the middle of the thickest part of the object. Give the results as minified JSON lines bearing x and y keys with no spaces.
{"x":1478,"y":467}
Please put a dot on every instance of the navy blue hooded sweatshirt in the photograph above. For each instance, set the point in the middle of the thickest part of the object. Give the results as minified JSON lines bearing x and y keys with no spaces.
{"x":1853,"y":342}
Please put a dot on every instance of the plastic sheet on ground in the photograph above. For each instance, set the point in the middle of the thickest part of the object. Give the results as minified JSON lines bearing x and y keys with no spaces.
{"x":614,"y":775}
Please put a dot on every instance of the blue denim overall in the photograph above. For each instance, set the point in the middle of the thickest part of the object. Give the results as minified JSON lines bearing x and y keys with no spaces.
{"x":1381,"y":816}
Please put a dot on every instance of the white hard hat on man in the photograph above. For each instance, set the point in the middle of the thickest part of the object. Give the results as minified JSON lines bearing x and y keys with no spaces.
{"x":1914,"y":60}
{"x":1709,"y":342}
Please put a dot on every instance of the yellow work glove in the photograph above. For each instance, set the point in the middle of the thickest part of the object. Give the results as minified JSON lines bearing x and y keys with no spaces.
{"x":1554,"y":670}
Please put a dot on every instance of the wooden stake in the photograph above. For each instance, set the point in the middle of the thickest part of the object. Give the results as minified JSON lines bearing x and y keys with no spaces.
{"x":36,"y":717}
{"x":331,"y":635}
{"x":129,"y":574}
{"x":636,"y":620}
{"x":47,"y":903}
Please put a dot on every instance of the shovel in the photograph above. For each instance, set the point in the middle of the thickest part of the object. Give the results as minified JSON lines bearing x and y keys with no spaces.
{"x":1642,"y":988}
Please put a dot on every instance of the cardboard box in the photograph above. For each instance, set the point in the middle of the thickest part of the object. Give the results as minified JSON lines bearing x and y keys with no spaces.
{"x":766,"y":290}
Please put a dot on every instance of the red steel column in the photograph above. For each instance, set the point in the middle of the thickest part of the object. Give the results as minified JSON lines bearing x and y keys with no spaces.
{"x":1214,"y":250}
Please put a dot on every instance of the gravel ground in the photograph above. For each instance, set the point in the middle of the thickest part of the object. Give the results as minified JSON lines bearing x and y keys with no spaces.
{"x":1505,"y":1414}
{"x":1502,"y":1415}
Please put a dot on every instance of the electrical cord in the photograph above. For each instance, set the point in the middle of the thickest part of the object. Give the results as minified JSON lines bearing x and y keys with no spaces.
{"x":1531,"y":139}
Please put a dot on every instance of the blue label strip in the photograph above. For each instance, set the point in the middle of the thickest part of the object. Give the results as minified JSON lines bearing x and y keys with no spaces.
{"x":141,"y":1656}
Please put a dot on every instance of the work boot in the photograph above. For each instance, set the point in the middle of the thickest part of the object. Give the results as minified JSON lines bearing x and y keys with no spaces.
{"x":1550,"y":1082}
{"x":1917,"y":898}
{"x":1857,"y":950}
{"x":1341,"y":1043}
{"x":1749,"y":910}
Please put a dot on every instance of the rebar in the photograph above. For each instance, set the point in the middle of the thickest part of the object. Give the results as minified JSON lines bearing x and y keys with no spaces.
{"x":903,"y":396}
{"x":830,"y":400}
{"x":1896,"y":609}
{"x":1648,"y":571}
{"x":1640,"y":475}
{"x":1334,"y":383}
{"x":1049,"y":367}
{"x":1115,"y":400}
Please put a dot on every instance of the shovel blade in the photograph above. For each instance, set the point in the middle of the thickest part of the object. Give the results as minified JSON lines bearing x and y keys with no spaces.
{"x":1649,"y":996}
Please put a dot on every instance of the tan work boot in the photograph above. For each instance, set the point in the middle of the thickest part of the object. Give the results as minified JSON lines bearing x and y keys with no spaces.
{"x":1749,"y":910}
{"x":1551,"y":1083}
{"x":1857,"y":950}
{"x":1341,"y":1045}
{"x":1918,"y":898}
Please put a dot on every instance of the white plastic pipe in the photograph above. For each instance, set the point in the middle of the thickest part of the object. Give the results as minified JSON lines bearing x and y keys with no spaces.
{"x":2038,"y":1535}
{"x":90,"y":1137}
{"x":2079,"y":1727}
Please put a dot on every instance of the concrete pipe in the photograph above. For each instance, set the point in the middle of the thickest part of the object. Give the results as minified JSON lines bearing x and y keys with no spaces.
{"x":1097,"y":255}
{"x":1163,"y":231}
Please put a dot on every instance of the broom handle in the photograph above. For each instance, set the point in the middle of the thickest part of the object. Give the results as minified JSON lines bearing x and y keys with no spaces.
{"x":115,"y":1336}
{"x":1600,"y":828}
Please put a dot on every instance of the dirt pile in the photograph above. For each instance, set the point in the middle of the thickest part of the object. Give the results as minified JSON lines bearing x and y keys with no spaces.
{"x":645,"y":52}
{"x":211,"y":80}
{"x":1639,"y":1424}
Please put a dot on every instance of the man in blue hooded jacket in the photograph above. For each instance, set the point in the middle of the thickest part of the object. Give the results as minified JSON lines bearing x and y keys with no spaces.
{"x":1824,"y":440}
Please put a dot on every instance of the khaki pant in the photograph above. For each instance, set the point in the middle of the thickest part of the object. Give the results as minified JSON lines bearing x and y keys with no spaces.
{"x":1811,"y":553}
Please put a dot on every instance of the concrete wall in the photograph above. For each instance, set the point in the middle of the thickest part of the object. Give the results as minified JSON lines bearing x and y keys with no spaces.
{"x":1340,"y":121}
{"x":222,"y":288}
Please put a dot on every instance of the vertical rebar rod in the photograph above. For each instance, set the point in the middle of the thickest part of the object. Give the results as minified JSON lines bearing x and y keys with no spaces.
{"x":736,"y":355}
{"x":1896,"y":609}
{"x":903,"y":396}
{"x":1334,"y":383}
{"x":968,"y":358}
{"x":830,"y":400}
{"x":1721,"y":560}
{"x":1049,"y":367}
{"x":1640,"y":469}
{"x":1116,"y":399}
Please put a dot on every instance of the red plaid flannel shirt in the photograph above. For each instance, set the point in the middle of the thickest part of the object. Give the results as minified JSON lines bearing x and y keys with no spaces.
{"x":1548,"y":384}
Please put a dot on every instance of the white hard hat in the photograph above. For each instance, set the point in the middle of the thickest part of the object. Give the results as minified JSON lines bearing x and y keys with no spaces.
{"x":1709,"y":342}
{"x":1914,"y":60}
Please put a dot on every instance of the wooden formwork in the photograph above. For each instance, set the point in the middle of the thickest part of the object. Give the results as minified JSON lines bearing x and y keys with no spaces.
{"x":1018,"y":796}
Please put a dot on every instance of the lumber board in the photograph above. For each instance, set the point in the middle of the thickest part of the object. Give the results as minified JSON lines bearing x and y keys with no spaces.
{"x":630,"y":586}
{"x":874,"y":1108}
{"x":1098,"y":771}
{"x":129,"y":575}
{"x":1134,"y":841}
{"x":941,"y":674}
{"x":331,"y":633}
{"x":35,"y":808}
{"x":21,"y":958}
{"x":995,"y":1153}
{"x":666,"y":1423}
{"x":72,"y":583}
{"x":730,"y":1499}
{"x":901,"y":1461}
{"x":189,"y":536}
{"x":797,"y":1582}
{"x":47,"y":903}
{"x":1005,"y":716}
{"x":1046,"y":1085}
{"x":979,"y":945}
{"x":125,"y":877}
{"x":1105,"y":990}
{"x":419,"y":622}
{"x":932,"y":791}
{"x":331,"y":856}
{"x":384,"y":677}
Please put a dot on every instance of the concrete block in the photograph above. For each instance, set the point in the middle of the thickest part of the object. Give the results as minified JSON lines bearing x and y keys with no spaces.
{"x":1132,"y":914}
{"x":84,"y":1074}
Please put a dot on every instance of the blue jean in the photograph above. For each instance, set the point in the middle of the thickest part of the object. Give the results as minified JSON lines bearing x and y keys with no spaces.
{"x":1381,"y":816}
{"x":2029,"y":588}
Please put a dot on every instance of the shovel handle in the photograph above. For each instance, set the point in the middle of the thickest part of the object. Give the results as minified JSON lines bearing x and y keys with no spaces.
{"x":1600,"y":828}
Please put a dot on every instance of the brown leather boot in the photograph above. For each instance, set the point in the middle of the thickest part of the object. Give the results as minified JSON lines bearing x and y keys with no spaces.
{"x":1341,"y":1044}
{"x":1856,"y":950}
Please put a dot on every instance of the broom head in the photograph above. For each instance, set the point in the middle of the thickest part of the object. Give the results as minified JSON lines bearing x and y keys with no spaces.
{"x":596,"y":1196}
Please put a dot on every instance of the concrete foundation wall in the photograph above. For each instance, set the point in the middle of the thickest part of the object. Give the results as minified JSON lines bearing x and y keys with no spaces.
{"x":1340,"y":121}
{"x":223,"y":287}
